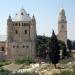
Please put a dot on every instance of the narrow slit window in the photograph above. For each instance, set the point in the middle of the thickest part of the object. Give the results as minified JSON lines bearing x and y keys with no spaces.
{"x":2,"y":48}
{"x":62,"y":26}
{"x":17,"y":46}
{"x":13,"y":46}
{"x":23,"y":46}
{"x":27,"y":46}
{"x":16,"y":24}
{"x":25,"y":31}
{"x":22,"y":13}
{"x":16,"y":31}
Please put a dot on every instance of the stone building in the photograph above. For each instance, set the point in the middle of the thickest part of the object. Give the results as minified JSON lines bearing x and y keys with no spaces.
{"x":21,"y":36}
{"x":62,"y":26}
{"x":2,"y":50}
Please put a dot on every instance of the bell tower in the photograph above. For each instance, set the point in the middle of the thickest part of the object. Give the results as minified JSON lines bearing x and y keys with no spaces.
{"x":62,"y":26}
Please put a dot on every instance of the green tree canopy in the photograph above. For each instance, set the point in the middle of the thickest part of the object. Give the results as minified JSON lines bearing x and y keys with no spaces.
{"x":42,"y":42}
{"x":69,"y":46}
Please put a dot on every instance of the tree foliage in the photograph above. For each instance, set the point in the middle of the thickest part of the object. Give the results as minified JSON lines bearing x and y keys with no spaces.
{"x":63,"y":48}
{"x":69,"y":46}
{"x":54,"y":49}
{"x":73,"y":45}
{"x":42,"y":43}
{"x":61,"y":44}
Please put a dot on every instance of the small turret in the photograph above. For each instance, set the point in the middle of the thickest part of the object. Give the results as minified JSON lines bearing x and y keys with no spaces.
{"x":33,"y":19}
{"x":9,"y":19}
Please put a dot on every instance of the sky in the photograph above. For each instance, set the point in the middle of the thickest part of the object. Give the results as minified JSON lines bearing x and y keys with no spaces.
{"x":46,"y":13}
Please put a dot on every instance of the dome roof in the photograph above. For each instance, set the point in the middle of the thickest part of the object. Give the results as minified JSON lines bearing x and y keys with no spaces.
{"x":22,"y":15}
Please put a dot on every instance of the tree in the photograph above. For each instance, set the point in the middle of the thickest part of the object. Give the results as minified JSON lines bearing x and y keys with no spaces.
{"x":69,"y":46}
{"x":63,"y":48}
{"x":73,"y":45}
{"x":64,"y":52}
{"x":42,"y":42}
{"x":54,"y":50}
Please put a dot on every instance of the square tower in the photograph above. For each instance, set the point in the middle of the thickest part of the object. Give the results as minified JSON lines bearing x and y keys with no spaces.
{"x":62,"y":26}
{"x":21,"y":34}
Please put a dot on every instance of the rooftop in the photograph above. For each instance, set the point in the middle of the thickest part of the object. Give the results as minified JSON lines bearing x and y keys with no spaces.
{"x":22,"y":15}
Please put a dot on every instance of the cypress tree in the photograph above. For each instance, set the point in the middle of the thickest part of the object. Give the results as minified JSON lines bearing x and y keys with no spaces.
{"x":69,"y":46}
{"x":54,"y":50}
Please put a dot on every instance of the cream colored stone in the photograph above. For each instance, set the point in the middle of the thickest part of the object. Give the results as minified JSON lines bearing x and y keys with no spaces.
{"x":62,"y":26}
{"x":21,"y":37}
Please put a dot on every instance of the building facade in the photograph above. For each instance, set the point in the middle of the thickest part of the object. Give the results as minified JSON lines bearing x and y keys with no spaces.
{"x":21,"y":35}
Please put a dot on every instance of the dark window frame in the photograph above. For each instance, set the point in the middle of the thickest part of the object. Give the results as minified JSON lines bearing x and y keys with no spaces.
{"x":22,"y":13}
{"x":62,"y":26}
{"x":23,"y":46}
{"x":16,"y":31}
{"x":3,"y":49}
{"x":27,"y":46}
{"x":25,"y":31}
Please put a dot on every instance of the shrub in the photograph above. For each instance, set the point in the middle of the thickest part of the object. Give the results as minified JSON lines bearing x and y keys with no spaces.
{"x":25,"y":61}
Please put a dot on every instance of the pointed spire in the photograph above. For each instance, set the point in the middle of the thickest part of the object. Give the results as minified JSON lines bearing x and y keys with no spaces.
{"x":62,"y":17}
{"x":62,"y":12}
{"x":33,"y":18}
{"x":53,"y":33}
{"x":9,"y":18}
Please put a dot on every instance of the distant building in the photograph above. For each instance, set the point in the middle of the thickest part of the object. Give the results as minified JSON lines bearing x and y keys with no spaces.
{"x":62,"y":26}
{"x":21,"y":36}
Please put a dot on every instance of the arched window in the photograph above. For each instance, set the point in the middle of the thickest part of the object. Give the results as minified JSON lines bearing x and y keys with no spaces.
{"x":17,"y":46}
{"x":2,"y":48}
{"x":19,"y":24}
{"x":23,"y":46}
{"x":22,"y":13}
{"x":16,"y":31}
{"x":13,"y":46}
{"x":62,"y":26}
{"x":16,"y":24}
{"x":25,"y":31}
{"x":22,"y":24}
{"x":27,"y":46}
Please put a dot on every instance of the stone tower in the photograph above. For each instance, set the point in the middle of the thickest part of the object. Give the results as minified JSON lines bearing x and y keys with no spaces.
{"x":62,"y":26}
{"x":21,"y":32}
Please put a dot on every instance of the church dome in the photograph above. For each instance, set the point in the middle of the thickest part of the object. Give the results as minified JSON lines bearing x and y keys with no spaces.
{"x":22,"y":15}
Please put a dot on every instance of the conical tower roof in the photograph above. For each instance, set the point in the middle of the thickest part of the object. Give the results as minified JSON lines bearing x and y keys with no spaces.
{"x":62,"y":16}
